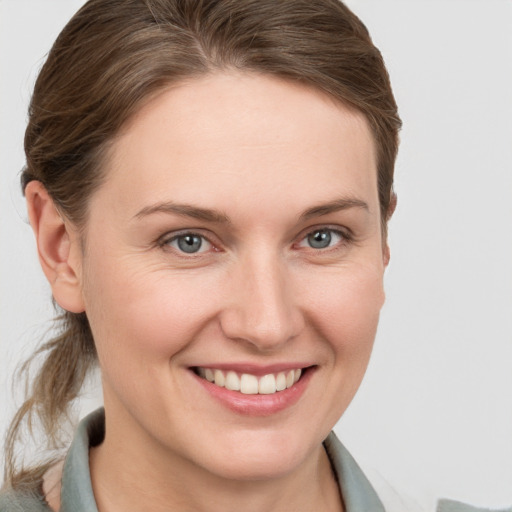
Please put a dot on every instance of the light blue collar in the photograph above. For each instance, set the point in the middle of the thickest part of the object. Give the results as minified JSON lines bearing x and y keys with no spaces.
{"x":77,"y":494}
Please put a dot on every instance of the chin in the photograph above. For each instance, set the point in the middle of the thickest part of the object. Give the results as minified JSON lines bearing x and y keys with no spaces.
{"x":263,"y":460}
{"x":270,"y":468}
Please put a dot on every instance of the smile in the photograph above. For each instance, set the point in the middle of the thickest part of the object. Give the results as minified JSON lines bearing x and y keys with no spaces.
{"x":249,"y":384}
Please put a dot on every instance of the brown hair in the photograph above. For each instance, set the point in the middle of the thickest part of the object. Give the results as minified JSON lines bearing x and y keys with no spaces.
{"x":112,"y":57}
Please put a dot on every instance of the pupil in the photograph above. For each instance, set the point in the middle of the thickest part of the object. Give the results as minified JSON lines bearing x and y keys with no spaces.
{"x":189,"y":243}
{"x":319,"y":239}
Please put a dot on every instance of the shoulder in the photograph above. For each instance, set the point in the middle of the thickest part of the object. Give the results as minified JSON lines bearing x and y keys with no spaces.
{"x":364,"y":490}
{"x":457,"y":506}
{"x":393,"y":497}
{"x":12,"y":501}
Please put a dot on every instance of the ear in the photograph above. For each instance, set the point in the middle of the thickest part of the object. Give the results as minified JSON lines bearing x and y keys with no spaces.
{"x":58,"y":248}
{"x":391,"y":210}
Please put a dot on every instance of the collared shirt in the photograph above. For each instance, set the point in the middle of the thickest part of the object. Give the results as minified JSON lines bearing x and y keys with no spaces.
{"x":77,"y":494}
{"x":457,"y":506}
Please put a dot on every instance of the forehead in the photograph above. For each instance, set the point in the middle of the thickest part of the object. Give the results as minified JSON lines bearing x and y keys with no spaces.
{"x":246,"y":131}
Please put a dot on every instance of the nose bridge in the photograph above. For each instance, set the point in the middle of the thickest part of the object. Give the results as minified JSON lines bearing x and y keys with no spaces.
{"x":262,"y":310}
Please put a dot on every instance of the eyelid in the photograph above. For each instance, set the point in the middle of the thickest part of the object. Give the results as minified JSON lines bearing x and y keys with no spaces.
{"x":165,"y":240}
{"x":345,"y":234}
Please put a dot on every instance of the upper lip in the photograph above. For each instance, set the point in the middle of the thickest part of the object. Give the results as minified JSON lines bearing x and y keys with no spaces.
{"x":255,"y":369}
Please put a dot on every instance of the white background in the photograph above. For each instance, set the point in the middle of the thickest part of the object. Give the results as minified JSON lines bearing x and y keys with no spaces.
{"x":434,"y":415}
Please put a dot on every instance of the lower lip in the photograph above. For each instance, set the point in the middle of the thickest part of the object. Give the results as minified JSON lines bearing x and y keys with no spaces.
{"x":258,"y":405}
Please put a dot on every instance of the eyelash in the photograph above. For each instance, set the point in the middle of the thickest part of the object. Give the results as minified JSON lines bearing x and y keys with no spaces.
{"x":344,"y":236}
{"x":166,"y":241}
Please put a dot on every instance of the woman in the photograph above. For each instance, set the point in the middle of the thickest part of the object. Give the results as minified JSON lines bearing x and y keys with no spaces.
{"x":209,"y":186}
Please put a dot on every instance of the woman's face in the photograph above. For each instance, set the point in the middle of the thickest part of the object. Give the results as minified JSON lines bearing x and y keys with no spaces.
{"x":237,"y":235}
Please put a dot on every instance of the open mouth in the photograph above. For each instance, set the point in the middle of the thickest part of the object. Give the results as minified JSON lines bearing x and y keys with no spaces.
{"x":249,"y":384}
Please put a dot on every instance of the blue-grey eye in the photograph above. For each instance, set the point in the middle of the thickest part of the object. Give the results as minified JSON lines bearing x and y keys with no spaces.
{"x":320,"y":239}
{"x":189,"y":243}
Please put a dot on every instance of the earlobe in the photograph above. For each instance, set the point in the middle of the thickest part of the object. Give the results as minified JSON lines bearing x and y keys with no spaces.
{"x":391,"y":209}
{"x":386,"y":255}
{"x":392,"y":205}
{"x":57,"y":246}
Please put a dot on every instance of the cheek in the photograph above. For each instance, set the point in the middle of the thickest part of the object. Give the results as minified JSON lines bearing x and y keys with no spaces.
{"x":139,"y":316}
{"x":345,"y":308}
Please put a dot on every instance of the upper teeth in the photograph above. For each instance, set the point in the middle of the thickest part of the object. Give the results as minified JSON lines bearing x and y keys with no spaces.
{"x":250,"y":384}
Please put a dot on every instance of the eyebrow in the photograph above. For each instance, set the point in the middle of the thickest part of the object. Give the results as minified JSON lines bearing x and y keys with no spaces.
{"x":344,"y":203}
{"x":185,"y":210}
{"x":209,"y":215}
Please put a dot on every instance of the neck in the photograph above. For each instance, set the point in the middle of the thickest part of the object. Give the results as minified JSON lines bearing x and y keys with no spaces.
{"x":161,"y":480}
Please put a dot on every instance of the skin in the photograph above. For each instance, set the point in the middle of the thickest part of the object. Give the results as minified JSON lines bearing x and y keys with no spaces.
{"x":261,"y":152}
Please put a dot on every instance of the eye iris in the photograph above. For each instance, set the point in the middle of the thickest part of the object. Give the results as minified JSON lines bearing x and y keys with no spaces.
{"x":190,"y":243}
{"x":320,"y":239}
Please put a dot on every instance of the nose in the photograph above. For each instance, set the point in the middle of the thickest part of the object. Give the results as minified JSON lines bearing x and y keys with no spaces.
{"x":261,"y":309}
